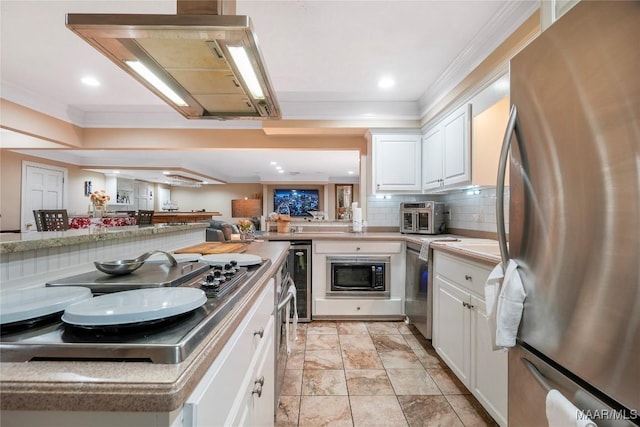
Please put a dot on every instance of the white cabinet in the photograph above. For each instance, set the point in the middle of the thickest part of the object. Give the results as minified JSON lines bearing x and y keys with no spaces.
{"x":225,"y":395}
{"x":461,"y":334}
{"x":552,"y":10}
{"x":446,"y":152}
{"x":333,"y":307}
{"x":395,"y":161}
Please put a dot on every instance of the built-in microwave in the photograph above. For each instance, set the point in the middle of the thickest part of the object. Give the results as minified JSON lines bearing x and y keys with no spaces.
{"x":422,"y":218}
{"x":358,"y":276}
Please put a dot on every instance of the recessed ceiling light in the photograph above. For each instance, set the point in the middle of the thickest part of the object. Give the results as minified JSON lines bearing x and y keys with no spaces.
{"x":273,"y":163}
{"x":116,"y":171}
{"x":350,"y":172}
{"x":386,"y":83}
{"x":279,"y":167}
{"x":90,"y":81}
{"x":166,"y":172}
{"x":280,"y":171}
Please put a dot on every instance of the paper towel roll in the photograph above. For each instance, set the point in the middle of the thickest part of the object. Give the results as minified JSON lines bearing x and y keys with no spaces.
{"x":357,"y":220}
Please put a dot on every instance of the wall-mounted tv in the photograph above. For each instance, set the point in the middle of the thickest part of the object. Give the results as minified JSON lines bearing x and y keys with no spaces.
{"x":300,"y":202}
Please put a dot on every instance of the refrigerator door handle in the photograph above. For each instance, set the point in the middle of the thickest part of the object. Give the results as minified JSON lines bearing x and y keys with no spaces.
{"x":512,"y":126}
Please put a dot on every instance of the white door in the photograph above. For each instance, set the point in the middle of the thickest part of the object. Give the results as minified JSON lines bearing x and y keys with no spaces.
{"x":43,"y":187}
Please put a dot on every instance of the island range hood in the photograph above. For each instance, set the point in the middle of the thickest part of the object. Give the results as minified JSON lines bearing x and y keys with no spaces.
{"x":202,"y":64}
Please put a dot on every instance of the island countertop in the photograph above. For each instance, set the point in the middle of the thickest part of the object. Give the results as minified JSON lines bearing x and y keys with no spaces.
{"x":126,"y":386}
{"x":34,"y":240}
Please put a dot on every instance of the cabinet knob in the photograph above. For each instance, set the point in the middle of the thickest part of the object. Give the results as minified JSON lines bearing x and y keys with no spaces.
{"x":467,"y":277}
{"x":257,"y":386}
{"x":259,"y":332}
{"x":358,"y":248}
{"x":465,"y":304}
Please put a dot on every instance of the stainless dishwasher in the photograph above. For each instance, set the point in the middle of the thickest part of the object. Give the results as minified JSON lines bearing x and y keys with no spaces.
{"x":418,"y":303}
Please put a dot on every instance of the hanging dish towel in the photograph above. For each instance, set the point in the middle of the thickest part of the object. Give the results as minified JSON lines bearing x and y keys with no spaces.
{"x":491,"y":292}
{"x":424,"y":247}
{"x":287,"y":314}
{"x":510,"y":306}
{"x":562,"y":413}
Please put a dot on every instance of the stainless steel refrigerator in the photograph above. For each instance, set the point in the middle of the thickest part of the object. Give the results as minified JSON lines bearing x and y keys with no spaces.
{"x":574,"y":215}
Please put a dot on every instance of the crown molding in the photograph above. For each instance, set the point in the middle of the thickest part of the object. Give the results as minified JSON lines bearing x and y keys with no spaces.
{"x":506,"y":21}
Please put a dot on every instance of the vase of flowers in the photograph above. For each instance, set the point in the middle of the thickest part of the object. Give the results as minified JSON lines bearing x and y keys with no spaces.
{"x":99,"y":198}
{"x":246,"y":229}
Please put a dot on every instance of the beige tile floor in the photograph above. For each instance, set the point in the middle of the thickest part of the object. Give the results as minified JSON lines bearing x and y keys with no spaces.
{"x":371,"y":374}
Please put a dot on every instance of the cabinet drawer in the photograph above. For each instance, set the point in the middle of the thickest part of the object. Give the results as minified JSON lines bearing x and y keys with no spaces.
{"x":353,"y":248}
{"x":465,"y":273}
{"x":216,"y":392}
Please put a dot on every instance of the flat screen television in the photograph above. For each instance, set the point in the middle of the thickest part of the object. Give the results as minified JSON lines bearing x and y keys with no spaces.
{"x":300,"y":202}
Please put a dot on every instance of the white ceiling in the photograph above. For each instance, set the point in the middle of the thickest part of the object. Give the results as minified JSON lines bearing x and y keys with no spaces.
{"x":324,"y":58}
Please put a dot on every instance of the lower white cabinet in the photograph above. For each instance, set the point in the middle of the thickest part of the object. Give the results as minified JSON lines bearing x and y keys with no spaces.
{"x":239,"y":387}
{"x":461,"y":332}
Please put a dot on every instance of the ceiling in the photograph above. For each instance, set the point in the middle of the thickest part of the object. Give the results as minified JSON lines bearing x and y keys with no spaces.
{"x":324,"y":58}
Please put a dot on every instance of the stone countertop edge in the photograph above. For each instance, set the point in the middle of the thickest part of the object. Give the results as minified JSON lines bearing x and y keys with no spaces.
{"x":51,"y":239}
{"x":483,"y":258}
{"x":126,"y":386}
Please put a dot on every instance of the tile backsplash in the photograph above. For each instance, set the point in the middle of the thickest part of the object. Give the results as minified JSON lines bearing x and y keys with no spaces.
{"x":469,"y":209}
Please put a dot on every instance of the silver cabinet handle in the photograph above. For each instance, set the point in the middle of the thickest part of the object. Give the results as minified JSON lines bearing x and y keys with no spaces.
{"x":467,"y":277}
{"x":259,"y":332}
{"x":465,"y":304}
{"x":257,"y":386}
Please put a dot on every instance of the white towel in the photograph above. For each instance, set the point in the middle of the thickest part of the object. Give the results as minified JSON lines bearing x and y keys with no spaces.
{"x":424,"y":248}
{"x":510,"y":306}
{"x":562,"y":413}
{"x":491,"y":293}
{"x":287,"y":314}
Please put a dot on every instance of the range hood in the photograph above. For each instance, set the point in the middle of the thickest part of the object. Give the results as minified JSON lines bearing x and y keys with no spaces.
{"x":199,"y":58}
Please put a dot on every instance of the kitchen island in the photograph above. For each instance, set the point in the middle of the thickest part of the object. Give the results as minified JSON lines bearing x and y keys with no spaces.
{"x":116,"y":392}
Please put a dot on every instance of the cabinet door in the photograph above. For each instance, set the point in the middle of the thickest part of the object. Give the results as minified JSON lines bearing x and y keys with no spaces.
{"x":489,"y":368}
{"x":397,"y":164}
{"x":451,"y":324}
{"x":432,"y":159}
{"x":456,"y":146}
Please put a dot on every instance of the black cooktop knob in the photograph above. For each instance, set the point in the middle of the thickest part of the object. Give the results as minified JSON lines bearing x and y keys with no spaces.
{"x":218,"y":276}
{"x":210,"y":278}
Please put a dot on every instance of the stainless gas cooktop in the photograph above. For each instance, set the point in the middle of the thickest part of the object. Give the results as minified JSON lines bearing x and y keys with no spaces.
{"x":168,"y":341}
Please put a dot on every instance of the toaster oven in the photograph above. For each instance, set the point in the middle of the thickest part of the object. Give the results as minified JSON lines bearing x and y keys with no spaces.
{"x":422,"y":218}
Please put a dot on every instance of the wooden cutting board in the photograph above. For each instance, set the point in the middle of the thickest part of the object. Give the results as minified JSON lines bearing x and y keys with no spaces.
{"x":214,"y":248}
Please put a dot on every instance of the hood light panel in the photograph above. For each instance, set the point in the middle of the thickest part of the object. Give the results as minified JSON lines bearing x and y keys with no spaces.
{"x":154,"y":81}
{"x":241,"y":59}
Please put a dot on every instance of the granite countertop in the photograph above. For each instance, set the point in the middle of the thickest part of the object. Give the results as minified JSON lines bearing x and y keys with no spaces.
{"x":126,"y":386}
{"x":20,"y":242}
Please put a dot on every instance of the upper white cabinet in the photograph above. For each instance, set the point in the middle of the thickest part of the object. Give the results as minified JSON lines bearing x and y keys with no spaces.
{"x":446,"y":152}
{"x":395,"y":161}
{"x":552,"y":10}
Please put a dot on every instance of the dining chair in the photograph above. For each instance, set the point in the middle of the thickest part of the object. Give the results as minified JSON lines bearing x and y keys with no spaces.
{"x":38,"y":218}
{"x":54,"y":219}
{"x":144,"y":217}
